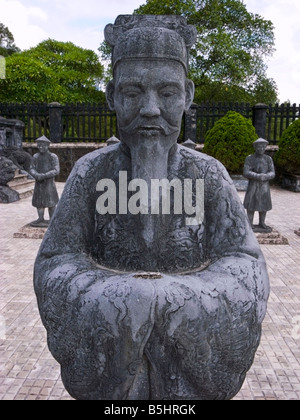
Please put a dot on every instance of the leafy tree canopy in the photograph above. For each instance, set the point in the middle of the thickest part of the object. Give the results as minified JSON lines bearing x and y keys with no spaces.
{"x":52,"y":71}
{"x":7,"y":42}
{"x":228,"y":60}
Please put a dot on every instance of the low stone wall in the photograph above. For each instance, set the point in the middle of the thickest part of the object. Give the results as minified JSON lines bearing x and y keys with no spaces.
{"x":69,"y":153}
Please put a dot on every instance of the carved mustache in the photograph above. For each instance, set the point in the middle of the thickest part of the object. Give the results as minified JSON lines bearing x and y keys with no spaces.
{"x":160,"y":124}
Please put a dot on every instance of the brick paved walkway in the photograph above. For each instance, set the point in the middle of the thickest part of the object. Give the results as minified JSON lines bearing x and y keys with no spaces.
{"x":28,"y":371}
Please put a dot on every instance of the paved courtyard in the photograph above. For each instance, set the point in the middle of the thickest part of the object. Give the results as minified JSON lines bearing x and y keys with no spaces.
{"x":28,"y":371}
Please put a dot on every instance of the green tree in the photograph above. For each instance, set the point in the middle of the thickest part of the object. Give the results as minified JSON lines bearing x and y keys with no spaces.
{"x":7,"y":42}
{"x":52,"y":71}
{"x":228,"y":60}
{"x":287,"y":158}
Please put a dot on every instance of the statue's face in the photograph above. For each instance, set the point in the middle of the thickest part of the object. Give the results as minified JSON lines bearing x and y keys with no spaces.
{"x":149,"y":98}
{"x":43,"y":147}
{"x":260,"y":148}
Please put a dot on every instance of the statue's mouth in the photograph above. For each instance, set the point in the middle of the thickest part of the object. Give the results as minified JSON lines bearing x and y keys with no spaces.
{"x":150,"y":131}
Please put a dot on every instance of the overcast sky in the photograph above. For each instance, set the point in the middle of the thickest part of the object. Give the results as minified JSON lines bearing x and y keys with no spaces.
{"x":82,"y":22}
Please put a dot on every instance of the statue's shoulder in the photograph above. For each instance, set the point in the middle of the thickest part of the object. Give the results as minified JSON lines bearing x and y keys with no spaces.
{"x":206,"y":166}
{"x":268,"y":158}
{"x":53,"y":156}
{"x":195,"y":156}
{"x":201,"y":159}
{"x":96,"y":161}
{"x":250,"y":158}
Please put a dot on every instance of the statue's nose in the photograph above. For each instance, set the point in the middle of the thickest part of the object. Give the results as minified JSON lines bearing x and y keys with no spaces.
{"x":150,"y":107}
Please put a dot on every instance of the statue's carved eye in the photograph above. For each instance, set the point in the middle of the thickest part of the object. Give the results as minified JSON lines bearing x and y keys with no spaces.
{"x":131,"y":92}
{"x":168,"y":92}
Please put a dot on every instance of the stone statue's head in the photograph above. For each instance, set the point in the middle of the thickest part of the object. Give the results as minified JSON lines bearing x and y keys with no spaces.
{"x":150,"y":89}
{"x":43,"y":144}
{"x":260,"y":146}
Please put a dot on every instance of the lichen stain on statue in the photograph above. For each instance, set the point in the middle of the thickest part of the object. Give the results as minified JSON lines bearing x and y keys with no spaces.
{"x":141,"y":298}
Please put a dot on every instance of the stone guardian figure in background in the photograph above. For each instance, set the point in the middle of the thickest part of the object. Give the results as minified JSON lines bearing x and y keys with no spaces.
{"x":259,"y":169}
{"x":44,"y":168}
{"x":151,"y":295}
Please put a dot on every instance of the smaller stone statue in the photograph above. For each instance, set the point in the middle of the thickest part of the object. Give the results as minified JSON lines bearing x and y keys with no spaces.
{"x":259,"y":169}
{"x":44,"y":168}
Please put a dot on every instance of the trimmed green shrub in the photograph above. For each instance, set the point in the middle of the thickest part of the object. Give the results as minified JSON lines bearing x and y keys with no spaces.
{"x":288,"y":156}
{"x":230,"y":141}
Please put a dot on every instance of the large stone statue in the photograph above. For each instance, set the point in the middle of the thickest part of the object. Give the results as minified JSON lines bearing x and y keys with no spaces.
{"x":259,"y":169}
{"x":44,"y":168}
{"x":149,"y":280}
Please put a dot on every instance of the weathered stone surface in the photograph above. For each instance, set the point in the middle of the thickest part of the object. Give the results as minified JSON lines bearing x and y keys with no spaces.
{"x":144,"y":305}
{"x":7,"y":195}
{"x":11,"y":133}
{"x":7,"y":173}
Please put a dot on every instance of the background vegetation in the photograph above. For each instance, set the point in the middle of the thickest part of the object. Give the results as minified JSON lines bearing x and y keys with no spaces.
{"x":288,"y":156}
{"x":231,"y":141}
{"x":228,"y":62}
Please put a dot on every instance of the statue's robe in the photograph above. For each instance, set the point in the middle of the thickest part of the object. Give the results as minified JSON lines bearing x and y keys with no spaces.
{"x":188,"y":332}
{"x":258,"y":195}
{"x":45,"y":193}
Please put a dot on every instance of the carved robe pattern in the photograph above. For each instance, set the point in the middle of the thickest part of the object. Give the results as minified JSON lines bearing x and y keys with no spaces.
{"x":189,"y":332}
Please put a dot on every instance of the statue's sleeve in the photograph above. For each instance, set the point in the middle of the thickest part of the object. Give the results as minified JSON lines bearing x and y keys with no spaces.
{"x":64,"y":252}
{"x":248,"y":172}
{"x":271,"y":169}
{"x":55,"y":167}
{"x":111,"y":331}
{"x":32,"y":169}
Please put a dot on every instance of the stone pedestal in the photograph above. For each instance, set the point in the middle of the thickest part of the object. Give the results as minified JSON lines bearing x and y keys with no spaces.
{"x":271,"y":238}
{"x":7,"y":195}
{"x":29,"y":232}
{"x":240,"y":182}
{"x":291,"y":182}
{"x":22,"y":185}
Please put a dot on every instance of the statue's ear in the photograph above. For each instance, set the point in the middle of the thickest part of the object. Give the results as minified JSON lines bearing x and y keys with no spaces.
{"x":190,"y":92}
{"x":110,"y":92}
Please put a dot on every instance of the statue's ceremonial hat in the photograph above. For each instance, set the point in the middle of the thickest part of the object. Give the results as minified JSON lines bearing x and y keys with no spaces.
{"x":135,"y":37}
{"x":261,"y":140}
{"x":43,"y":139}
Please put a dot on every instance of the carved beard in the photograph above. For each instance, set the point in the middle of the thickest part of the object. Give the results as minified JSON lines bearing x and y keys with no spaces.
{"x":150,"y":151}
{"x":149,"y":141}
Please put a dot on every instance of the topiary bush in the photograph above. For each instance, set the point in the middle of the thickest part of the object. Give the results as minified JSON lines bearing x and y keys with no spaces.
{"x":230,"y":141}
{"x":288,"y":156}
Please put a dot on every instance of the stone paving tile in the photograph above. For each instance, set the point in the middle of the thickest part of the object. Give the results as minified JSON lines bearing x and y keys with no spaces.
{"x":28,"y":371}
